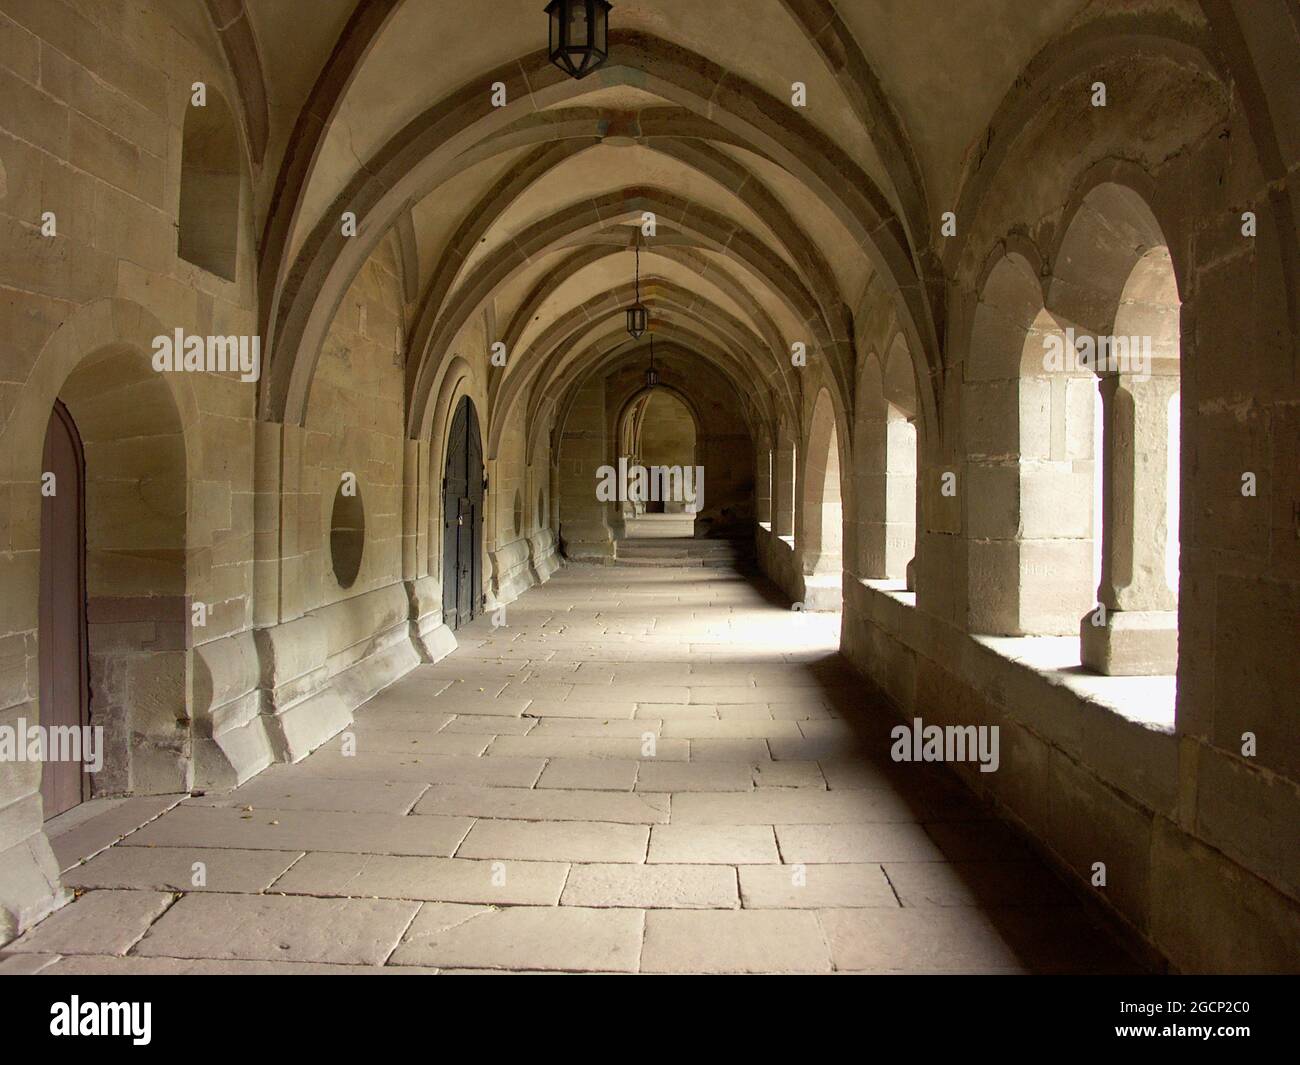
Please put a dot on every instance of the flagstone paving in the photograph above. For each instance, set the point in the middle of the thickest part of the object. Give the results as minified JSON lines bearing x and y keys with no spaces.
{"x":650,"y":770}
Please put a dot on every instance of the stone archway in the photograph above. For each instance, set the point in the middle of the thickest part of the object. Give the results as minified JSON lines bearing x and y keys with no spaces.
{"x":139,"y":617}
{"x":657,"y":431}
{"x":1115,"y":276}
{"x":132,"y":422}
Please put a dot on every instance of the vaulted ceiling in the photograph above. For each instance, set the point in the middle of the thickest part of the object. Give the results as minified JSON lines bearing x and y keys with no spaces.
{"x":773,"y":221}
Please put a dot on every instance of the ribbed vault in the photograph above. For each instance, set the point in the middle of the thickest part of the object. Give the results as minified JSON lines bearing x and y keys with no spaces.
{"x":771,"y":281}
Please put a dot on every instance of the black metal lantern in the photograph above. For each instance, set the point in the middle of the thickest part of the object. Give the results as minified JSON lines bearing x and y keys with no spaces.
{"x":638,"y":318}
{"x":579,"y":35}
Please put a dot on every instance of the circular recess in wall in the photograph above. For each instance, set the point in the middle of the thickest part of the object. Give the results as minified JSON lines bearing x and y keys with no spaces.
{"x":347,"y":535}
{"x":519,"y":511}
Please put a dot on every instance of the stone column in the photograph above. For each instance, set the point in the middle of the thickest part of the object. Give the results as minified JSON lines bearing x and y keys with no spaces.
{"x":414,"y":497}
{"x":267,"y":483}
{"x":430,"y":637}
{"x":871,"y":476}
{"x":1134,"y":629}
{"x":784,"y":486}
{"x":584,"y":519}
{"x":763,"y":485}
{"x":900,"y":496}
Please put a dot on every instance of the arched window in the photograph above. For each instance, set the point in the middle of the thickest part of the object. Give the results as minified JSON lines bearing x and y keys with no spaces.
{"x":885,"y":466}
{"x":208,"y":234}
{"x":1028,"y":429}
{"x":823,"y":511}
{"x":1115,"y":280}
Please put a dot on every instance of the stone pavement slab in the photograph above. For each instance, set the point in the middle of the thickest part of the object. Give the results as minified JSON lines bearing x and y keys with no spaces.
{"x":737,"y":941}
{"x":706,"y":887}
{"x":496,"y":812}
{"x":567,"y":938}
{"x":707,"y":844}
{"x":279,"y":928}
{"x":98,"y":922}
{"x":543,"y":804}
{"x":394,"y":876}
{"x":174,"y":869}
{"x":555,"y":841}
{"x":304,"y":830}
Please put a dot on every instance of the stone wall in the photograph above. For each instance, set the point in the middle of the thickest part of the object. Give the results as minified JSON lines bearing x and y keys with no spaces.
{"x":1186,"y":788}
{"x":96,"y":101}
{"x":220,"y":638}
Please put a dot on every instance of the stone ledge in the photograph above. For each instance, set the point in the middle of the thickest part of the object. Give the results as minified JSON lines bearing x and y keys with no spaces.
{"x":1143,"y":700}
{"x":1086,"y":774}
{"x":1013,"y":674}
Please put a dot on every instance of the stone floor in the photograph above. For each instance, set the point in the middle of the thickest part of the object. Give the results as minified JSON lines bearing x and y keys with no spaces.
{"x":643,"y":771}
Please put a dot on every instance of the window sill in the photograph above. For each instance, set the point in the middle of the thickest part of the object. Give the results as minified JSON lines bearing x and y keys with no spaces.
{"x":1147,"y":701}
{"x":1144,"y":701}
{"x":895,"y":588}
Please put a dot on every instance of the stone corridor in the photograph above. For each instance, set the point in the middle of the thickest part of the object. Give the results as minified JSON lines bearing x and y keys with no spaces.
{"x":503,"y":810}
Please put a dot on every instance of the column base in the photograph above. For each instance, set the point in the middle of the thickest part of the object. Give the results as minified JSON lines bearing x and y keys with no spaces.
{"x":823,"y":592}
{"x":587,"y":541}
{"x":29,"y":886}
{"x":1130,"y":643}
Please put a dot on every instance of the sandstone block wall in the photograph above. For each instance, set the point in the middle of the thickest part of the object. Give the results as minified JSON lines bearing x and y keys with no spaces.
{"x":191,"y":499}
{"x":1185,"y":786}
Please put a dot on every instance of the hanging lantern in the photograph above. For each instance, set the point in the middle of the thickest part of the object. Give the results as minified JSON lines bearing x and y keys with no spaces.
{"x":638,"y":318}
{"x":579,"y":35}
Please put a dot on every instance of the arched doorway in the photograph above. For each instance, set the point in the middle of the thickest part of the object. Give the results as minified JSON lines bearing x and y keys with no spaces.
{"x":658,"y":433}
{"x":462,"y":519}
{"x":665,"y":431}
{"x":64,"y":667}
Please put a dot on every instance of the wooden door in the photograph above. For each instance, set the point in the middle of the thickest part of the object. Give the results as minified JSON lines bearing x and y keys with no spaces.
{"x":462,"y":519}
{"x":64,"y":675}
